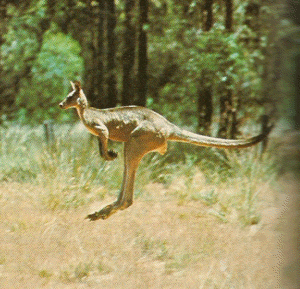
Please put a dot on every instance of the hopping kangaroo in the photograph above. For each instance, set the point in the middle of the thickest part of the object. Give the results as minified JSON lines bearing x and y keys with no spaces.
{"x":142,"y":131}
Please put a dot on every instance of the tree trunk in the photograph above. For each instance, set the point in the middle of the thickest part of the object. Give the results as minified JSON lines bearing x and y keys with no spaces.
{"x":112,"y":96}
{"x":7,"y":100}
{"x":228,"y":16}
{"x":228,"y":122}
{"x":128,"y":54}
{"x":296,"y":85}
{"x":98,"y":97}
{"x":142,"y":75}
{"x":209,"y":21}
{"x":90,"y":79}
{"x":205,"y":95}
{"x":225,"y":113}
{"x":252,"y":13}
{"x":205,"y":106}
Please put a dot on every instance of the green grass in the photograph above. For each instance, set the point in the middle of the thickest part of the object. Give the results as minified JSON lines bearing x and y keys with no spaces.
{"x":72,"y":174}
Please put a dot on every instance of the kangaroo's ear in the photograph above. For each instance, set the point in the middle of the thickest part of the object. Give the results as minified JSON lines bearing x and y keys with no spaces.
{"x":77,"y":85}
{"x":72,"y":84}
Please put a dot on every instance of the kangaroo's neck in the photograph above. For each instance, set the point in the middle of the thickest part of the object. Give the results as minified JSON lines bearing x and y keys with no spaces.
{"x":82,"y":105}
{"x":80,"y":111}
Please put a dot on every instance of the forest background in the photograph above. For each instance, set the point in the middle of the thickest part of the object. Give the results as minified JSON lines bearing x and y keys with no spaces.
{"x":222,"y":61}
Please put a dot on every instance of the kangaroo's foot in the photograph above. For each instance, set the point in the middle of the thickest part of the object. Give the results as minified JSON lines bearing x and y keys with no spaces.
{"x":107,"y":211}
{"x":104,"y":213}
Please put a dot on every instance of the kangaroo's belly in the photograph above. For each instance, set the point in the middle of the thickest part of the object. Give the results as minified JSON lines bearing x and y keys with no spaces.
{"x":120,"y":133}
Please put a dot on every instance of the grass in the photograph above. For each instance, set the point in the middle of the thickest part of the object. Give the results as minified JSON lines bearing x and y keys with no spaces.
{"x":72,"y":174}
{"x":193,"y":208}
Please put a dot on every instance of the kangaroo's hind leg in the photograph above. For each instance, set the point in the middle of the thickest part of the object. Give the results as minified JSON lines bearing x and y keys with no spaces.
{"x":138,"y":145}
{"x":135,"y":150}
{"x":130,"y":168}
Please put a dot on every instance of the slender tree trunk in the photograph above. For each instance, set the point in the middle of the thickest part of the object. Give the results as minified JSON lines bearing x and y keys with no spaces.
{"x":142,"y":75}
{"x":228,"y":16}
{"x":228,"y":122}
{"x":97,"y":98}
{"x":204,"y":92}
{"x":112,"y":96}
{"x":205,"y":106}
{"x":90,"y":79}
{"x":128,"y":54}
{"x":296,"y":84}
{"x":225,"y":112}
{"x":7,"y":100}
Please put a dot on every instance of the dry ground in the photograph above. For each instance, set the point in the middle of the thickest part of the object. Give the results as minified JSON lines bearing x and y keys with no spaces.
{"x":156,"y":243}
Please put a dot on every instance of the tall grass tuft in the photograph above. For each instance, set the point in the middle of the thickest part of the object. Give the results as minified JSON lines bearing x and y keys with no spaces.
{"x":67,"y":171}
{"x":71,"y":173}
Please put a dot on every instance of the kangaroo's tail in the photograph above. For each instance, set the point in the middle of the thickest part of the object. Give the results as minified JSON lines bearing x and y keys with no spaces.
{"x":181,"y":135}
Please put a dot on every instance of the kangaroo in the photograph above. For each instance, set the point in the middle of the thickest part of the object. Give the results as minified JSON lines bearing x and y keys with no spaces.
{"x":142,"y":131}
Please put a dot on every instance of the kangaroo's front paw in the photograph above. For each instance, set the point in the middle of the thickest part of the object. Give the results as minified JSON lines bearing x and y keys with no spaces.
{"x":112,"y":155}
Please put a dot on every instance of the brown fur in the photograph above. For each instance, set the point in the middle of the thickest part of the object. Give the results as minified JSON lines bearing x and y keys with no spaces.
{"x":142,"y":131}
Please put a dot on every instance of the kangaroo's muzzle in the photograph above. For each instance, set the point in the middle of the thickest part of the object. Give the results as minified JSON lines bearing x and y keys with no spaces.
{"x":62,"y":104}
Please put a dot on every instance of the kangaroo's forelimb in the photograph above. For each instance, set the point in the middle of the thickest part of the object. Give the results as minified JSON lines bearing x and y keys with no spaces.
{"x":110,"y":155}
{"x":102,"y":132}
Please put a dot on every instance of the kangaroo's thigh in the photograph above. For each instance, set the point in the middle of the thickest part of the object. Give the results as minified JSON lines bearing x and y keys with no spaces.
{"x":147,"y":138}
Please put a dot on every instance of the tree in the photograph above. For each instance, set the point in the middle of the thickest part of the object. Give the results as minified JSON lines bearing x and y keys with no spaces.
{"x":228,"y":121}
{"x":186,"y":52}
{"x":204,"y":91}
{"x":142,"y":75}
{"x":7,"y":99}
{"x":228,"y":15}
{"x":18,"y":26}
{"x":98,"y":98}
{"x":128,"y":56}
{"x":112,"y":94}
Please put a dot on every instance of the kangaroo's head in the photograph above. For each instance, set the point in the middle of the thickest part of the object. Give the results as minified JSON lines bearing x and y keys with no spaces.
{"x":75,"y":98}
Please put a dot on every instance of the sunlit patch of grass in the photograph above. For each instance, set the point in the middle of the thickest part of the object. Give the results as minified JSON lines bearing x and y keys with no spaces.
{"x":2,"y":260}
{"x":178,"y":263}
{"x":76,"y":273}
{"x":45,"y":274}
{"x":82,"y":270}
{"x":151,"y":247}
{"x":103,"y":268}
{"x":250,"y":173}
{"x":18,"y":226}
{"x":68,"y":171}
{"x":232,"y":191}
{"x":72,"y":174}
{"x":208,"y":197}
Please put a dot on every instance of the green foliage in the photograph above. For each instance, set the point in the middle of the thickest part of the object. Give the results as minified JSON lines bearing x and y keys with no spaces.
{"x":39,"y":55}
{"x":21,"y":40}
{"x":57,"y":63}
{"x":219,"y":56}
{"x":38,"y":62}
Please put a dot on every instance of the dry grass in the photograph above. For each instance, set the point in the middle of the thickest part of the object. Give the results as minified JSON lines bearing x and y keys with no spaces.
{"x":157,"y":243}
{"x":200,"y":226}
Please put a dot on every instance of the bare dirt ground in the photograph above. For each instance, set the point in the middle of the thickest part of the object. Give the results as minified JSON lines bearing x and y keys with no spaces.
{"x":157,"y":243}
